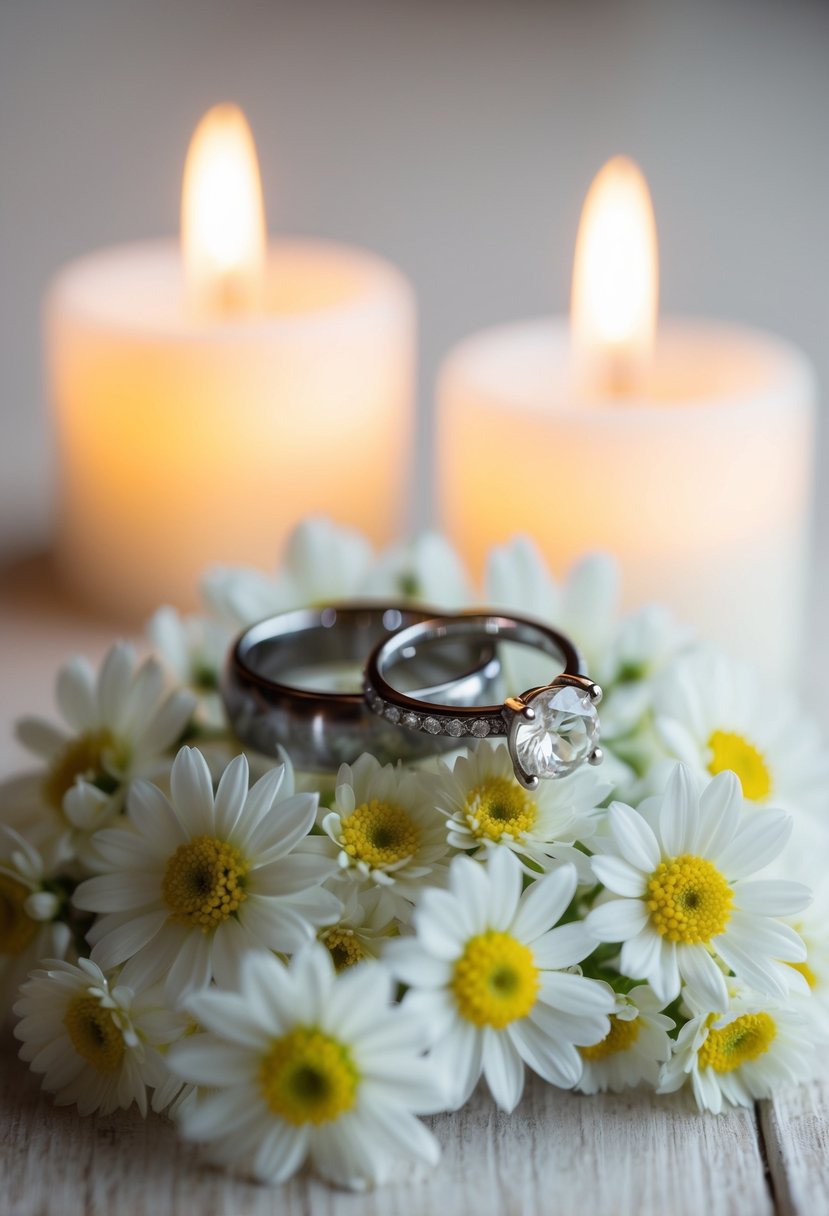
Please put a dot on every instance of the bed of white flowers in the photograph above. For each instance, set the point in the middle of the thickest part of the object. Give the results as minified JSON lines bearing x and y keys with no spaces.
{"x":295,"y":970}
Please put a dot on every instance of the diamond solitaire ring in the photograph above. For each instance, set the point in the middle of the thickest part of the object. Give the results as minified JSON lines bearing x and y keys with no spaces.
{"x":551,"y":729}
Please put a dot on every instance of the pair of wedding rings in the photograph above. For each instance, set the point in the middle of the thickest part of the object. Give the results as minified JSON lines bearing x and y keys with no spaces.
{"x":427,"y":685}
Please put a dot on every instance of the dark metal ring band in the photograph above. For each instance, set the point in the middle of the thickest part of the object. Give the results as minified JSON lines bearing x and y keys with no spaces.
{"x":518,"y":716}
{"x":320,"y":729}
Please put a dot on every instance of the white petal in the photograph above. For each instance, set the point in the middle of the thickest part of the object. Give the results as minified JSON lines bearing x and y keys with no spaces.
{"x":557,"y":1063}
{"x":618,"y":920}
{"x":118,"y":892}
{"x":230,"y":795}
{"x":679,"y":813}
{"x":772,"y":897}
{"x":503,"y":1069}
{"x":759,"y":840}
{"x":635,"y":840}
{"x":703,"y":976}
{"x":505,"y":876}
{"x":128,"y":940}
{"x":205,"y":1059}
{"x":575,"y":993}
{"x":192,"y":792}
{"x":192,"y":969}
{"x":563,"y":946}
{"x":276,"y":834}
{"x":411,"y":964}
{"x":114,"y":682}
{"x":76,"y":695}
{"x":544,"y":903}
{"x":619,"y":875}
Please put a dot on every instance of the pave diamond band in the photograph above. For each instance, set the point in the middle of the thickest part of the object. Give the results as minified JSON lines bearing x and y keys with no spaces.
{"x":551,"y":729}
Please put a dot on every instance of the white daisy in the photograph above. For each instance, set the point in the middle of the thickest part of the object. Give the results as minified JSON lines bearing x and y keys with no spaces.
{"x":743,"y":1054}
{"x":715,"y":714}
{"x":362,"y":928}
{"x":96,"y":1042}
{"x":305,"y":1064}
{"x":679,"y":895}
{"x":384,"y":831}
{"x":635,"y":1049}
{"x":30,"y":908}
{"x":487,"y":975}
{"x":487,"y":809}
{"x":322,"y":562}
{"x":120,"y":726}
{"x":193,"y":650}
{"x":197,"y":879}
{"x":425,"y":569}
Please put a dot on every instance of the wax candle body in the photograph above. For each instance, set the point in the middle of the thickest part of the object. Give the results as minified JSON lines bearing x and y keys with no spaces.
{"x":185,"y":441}
{"x":702,"y":492}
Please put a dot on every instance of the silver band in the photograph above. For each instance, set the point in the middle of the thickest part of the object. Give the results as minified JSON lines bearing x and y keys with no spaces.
{"x":551,"y":729}
{"x":322,"y":729}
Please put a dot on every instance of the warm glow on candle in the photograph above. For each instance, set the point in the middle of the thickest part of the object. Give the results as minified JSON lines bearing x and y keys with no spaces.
{"x":223,"y":233}
{"x":615,"y":283}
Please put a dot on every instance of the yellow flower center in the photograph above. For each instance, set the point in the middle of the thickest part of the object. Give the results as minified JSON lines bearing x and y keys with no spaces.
{"x":94,"y":1035}
{"x":621,"y":1036}
{"x":379,"y":834}
{"x":689,"y":900}
{"x":495,"y":980}
{"x":499,"y":807}
{"x":308,"y":1077}
{"x":730,"y":751}
{"x":344,"y":947}
{"x":16,"y":928}
{"x":744,"y":1039}
{"x":203,"y":883}
{"x":806,"y":971}
{"x":82,"y":757}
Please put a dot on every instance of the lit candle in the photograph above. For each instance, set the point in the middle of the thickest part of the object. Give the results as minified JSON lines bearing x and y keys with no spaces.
{"x":687,"y":453}
{"x":210,"y":396}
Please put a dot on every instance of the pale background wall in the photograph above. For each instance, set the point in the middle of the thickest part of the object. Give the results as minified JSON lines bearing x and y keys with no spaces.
{"x":455,"y":138}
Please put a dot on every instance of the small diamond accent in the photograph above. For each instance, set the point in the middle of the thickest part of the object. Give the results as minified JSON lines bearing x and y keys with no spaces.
{"x":392,"y":714}
{"x":479,"y":728}
{"x":412,"y":721}
{"x":454,"y":727}
{"x":431,"y":725}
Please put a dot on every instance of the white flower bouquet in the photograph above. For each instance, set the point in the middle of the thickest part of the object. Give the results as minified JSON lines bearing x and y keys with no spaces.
{"x":295,"y":970}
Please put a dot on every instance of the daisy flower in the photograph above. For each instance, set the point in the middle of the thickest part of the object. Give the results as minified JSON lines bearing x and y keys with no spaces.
{"x":197,"y":879}
{"x":487,"y":809}
{"x":362,"y":929}
{"x":635,"y":1049}
{"x":741,"y":1055}
{"x":96,"y":1041}
{"x":322,"y":562}
{"x":119,"y":725}
{"x":679,"y":894}
{"x":193,"y":650}
{"x":29,"y":908}
{"x":304,"y":1064}
{"x":487,"y":975}
{"x":384,"y":831}
{"x":714,"y":714}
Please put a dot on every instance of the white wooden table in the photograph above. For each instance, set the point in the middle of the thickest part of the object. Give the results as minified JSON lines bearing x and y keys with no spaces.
{"x":559,"y":1153}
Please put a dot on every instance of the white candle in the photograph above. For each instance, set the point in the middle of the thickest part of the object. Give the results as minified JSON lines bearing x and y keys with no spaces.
{"x":692,"y":463}
{"x":206,"y":404}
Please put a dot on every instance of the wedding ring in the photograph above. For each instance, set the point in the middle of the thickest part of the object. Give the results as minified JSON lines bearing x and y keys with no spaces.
{"x":294,"y":681}
{"x":551,"y":729}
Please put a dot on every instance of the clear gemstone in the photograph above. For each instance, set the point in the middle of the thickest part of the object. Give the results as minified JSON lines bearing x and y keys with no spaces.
{"x":411,"y":720}
{"x":432,"y":725}
{"x":454,"y":727}
{"x":392,"y":713}
{"x":479,"y":728}
{"x":562,"y":735}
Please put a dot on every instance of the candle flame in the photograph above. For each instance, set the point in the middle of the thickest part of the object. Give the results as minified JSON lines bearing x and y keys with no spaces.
{"x":223,"y":233}
{"x":616,"y":282}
